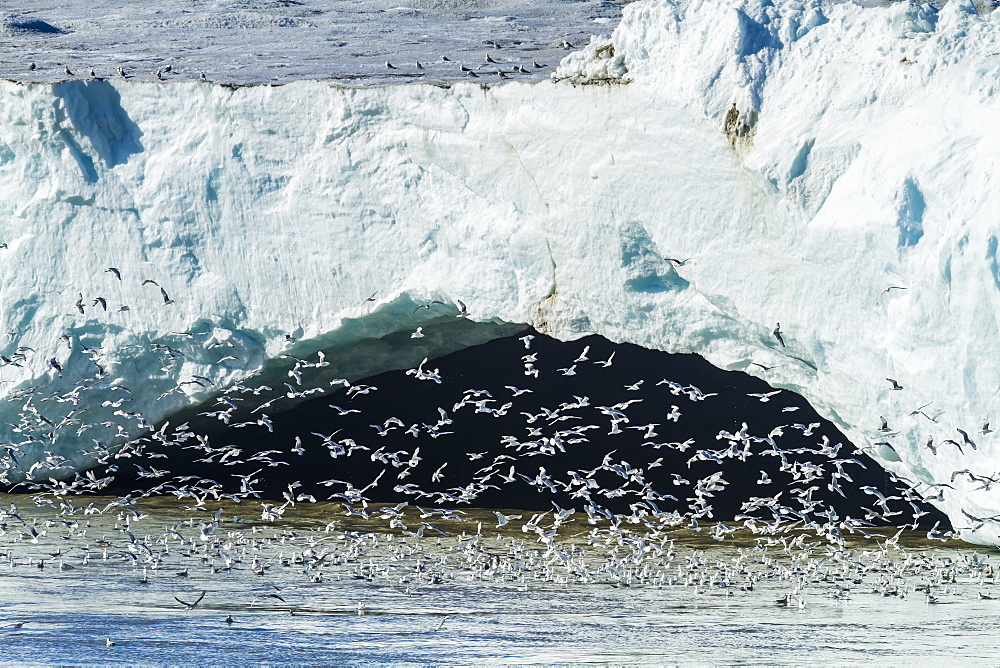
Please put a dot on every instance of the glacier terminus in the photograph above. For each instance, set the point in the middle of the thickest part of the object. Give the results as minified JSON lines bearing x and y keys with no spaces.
{"x":829,"y":166}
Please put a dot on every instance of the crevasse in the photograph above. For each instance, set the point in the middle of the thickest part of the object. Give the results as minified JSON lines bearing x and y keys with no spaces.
{"x":861,"y":156}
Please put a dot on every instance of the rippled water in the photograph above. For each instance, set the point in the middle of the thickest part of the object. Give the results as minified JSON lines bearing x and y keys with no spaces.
{"x":499,"y":598}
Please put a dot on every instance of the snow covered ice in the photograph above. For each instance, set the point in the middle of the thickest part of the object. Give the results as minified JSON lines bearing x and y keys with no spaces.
{"x":241,"y":42}
{"x":850,"y":197}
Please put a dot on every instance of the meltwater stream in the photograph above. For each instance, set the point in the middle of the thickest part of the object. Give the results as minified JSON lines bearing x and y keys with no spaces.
{"x":318,"y":588}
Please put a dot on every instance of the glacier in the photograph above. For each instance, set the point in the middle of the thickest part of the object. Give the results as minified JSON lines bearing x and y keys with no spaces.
{"x":826,"y":166}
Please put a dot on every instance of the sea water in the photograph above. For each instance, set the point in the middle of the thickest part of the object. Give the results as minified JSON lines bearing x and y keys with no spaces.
{"x":319,"y":587}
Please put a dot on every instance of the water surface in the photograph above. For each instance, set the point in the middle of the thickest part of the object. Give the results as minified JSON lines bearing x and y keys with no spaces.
{"x":358,"y":591}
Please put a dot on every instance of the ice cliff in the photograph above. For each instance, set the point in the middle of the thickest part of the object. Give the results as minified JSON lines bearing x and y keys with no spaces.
{"x":851,"y":196}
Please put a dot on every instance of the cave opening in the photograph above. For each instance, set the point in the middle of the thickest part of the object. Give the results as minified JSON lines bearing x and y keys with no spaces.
{"x":527,"y":422}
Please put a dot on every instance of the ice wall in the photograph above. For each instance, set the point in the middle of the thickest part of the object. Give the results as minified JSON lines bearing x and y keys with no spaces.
{"x":861,"y":157}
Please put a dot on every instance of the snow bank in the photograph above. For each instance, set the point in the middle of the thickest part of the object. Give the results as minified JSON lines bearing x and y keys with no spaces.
{"x":860,"y":157}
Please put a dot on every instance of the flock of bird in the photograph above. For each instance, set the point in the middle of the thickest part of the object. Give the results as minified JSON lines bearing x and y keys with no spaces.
{"x":234,"y":569}
{"x":489,"y":66}
{"x":498,"y":66}
{"x":624,"y":489}
{"x":555,"y":432}
{"x":161,"y":74}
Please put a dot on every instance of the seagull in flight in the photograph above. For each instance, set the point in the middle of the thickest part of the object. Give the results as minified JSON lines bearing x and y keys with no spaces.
{"x":762,"y":366}
{"x":891,"y":287}
{"x":115,"y":271}
{"x":427,"y":306}
{"x":763,"y":396}
{"x":777,"y":334}
{"x":260,"y":597}
{"x":606,"y":363}
{"x":191,"y":606}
